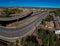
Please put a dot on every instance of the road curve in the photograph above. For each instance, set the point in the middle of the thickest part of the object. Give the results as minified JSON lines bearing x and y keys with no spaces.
{"x":13,"y":28}
{"x":17,"y":16}
{"x":20,"y":31}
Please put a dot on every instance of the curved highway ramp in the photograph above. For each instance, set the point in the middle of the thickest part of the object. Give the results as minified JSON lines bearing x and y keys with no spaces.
{"x":16,"y":33}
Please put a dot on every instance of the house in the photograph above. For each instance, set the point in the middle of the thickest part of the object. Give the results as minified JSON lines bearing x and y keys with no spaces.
{"x":57,"y":31}
{"x":49,"y":25}
{"x":57,"y":25}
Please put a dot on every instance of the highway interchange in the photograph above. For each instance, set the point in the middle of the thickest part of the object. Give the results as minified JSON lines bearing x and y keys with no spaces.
{"x":24,"y":30}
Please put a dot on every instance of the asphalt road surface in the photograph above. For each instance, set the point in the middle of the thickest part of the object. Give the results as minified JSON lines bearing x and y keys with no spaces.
{"x":20,"y":31}
{"x":16,"y":17}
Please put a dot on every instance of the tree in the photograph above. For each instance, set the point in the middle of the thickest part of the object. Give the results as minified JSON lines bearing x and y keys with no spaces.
{"x":43,"y":21}
{"x":58,"y":42}
{"x":48,"y":38}
{"x":17,"y":41}
{"x":29,"y":41}
{"x":49,"y":18}
{"x":10,"y":44}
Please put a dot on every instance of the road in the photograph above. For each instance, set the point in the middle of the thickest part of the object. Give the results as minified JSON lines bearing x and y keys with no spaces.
{"x":20,"y":31}
{"x":16,"y":16}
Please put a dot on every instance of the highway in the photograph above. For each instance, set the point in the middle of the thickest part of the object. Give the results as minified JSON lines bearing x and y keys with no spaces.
{"x":30,"y":16}
{"x":16,"y":16}
{"x":20,"y":31}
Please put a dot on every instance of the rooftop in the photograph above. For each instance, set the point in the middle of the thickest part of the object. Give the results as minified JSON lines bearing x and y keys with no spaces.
{"x":49,"y":25}
{"x":57,"y":26}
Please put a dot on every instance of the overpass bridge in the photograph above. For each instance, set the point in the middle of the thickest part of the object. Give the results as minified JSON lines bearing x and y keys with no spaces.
{"x":14,"y":18}
{"x":11,"y":34}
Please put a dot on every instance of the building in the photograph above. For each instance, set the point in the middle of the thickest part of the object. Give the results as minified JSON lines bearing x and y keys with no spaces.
{"x":49,"y":25}
{"x":57,"y":31}
{"x":57,"y":25}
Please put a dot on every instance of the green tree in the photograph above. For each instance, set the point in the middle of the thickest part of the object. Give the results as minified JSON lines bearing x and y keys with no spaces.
{"x":48,"y":38}
{"x":49,"y":18}
{"x":30,"y":41}
{"x":10,"y":44}
{"x":17,"y":41}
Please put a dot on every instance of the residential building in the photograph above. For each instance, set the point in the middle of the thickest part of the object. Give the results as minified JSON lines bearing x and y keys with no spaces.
{"x":57,"y":25}
{"x":49,"y":25}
